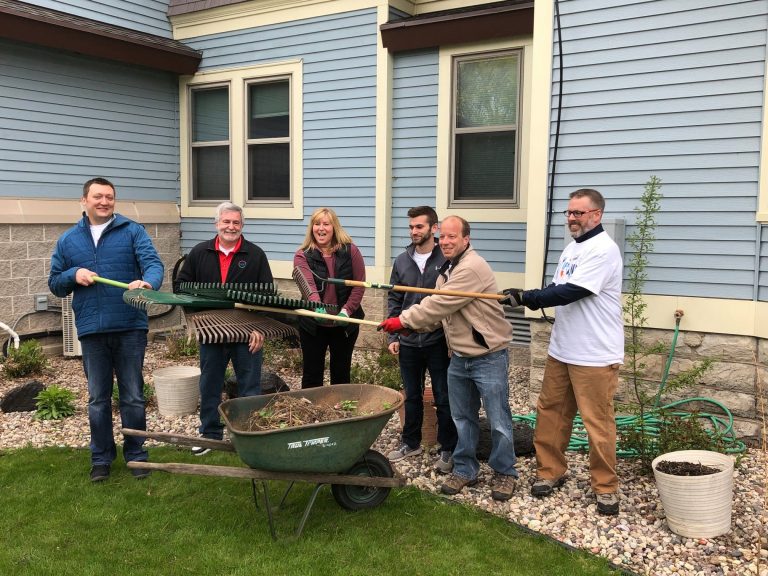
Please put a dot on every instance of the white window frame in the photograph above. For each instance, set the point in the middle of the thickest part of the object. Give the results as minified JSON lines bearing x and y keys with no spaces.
{"x":455,"y":131}
{"x":238,"y":80}
{"x":483,"y":210}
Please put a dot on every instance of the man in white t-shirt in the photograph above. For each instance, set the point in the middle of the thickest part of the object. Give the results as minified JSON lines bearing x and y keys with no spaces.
{"x":586,"y":349}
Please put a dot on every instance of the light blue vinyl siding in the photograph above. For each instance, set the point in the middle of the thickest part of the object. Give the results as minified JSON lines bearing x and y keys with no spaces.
{"x":671,"y":88}
{"x":65,"y":119}
{"x":414,"y":138}
{"x":143,"y":15}
{"x":414,"y":163}
{"x":338,"y":55}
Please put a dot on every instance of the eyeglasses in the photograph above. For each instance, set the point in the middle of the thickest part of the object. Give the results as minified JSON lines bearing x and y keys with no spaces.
{"x":578,"y":213}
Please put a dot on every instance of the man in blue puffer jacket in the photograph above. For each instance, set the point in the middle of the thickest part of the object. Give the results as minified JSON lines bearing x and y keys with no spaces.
{"x":113,"y":335}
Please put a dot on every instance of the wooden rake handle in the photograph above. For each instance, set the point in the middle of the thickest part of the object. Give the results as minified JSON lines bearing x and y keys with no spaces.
{"x":307,"y":313}
{"x":398,"y":288}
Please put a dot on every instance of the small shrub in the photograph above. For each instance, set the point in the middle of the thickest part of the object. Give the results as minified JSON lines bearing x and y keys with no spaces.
{"x":55,"y":403}
{"x":181,"y":345}
{"x":27,"y":359}
{"x":667,"y":432}
{"x":688,"y":432}
{"x":280,"y":355}
{"x":377,"y":367}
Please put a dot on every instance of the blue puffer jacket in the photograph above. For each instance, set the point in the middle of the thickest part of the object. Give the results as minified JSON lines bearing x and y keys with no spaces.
{"x":124,"y":253}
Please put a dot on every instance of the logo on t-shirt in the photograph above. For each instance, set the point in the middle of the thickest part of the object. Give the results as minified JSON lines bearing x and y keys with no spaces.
{"x":566,"y":268}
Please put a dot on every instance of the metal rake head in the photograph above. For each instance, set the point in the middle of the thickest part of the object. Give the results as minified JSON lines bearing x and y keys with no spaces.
{"x":219,"y":290}
{"x":143,"y":298}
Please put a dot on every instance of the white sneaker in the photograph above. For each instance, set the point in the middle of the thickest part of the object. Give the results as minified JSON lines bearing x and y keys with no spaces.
{"x":199,"y":450}
{"x":403,"y":451}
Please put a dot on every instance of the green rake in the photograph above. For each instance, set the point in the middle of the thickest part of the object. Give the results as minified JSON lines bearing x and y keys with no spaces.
{"x":247,"y":293}
{"x":143,"y":298}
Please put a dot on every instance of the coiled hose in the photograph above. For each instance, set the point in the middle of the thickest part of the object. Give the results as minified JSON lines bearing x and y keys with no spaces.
{"x":652,"y":421}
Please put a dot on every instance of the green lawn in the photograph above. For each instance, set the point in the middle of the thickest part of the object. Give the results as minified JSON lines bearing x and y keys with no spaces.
{"x":54,"y":521}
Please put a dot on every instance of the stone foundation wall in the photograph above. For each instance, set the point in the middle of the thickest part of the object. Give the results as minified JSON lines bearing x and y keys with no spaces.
{"x":25,"y":262}
{"x":738,"y":378}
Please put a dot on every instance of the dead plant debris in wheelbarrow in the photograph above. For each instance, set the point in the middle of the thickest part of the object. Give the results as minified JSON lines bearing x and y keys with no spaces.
{"x":289,"y":411}
{"x":685,"y":468}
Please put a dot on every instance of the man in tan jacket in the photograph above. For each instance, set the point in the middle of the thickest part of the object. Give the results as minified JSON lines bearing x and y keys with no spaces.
{"x":477,"y":334}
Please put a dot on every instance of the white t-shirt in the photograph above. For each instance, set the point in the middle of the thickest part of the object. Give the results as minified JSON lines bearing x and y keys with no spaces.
{"x":590,"y":331}
{"x":421,"y":260}
{"x":97,"y":229}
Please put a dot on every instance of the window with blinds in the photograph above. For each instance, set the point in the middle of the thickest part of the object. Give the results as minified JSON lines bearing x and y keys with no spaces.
{"x":485,"y":129}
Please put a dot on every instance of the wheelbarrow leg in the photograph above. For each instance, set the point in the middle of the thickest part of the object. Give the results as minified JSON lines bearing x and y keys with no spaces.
{"x":267,"y":505}
{"x":308,"y":509}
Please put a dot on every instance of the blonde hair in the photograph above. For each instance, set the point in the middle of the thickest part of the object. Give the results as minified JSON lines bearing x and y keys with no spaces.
{"x":339,"y":234}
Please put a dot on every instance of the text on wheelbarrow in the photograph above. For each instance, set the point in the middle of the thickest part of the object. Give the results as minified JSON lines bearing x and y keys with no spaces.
{"x":324,"y":441}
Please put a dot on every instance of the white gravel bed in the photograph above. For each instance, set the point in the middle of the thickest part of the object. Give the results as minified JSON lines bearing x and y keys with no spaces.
{"x":637,"y":539}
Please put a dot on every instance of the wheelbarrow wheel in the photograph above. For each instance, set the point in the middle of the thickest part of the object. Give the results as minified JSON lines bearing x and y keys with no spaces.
{"x":372,"y":464}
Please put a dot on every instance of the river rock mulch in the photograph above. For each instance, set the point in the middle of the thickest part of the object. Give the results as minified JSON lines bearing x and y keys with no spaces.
{"x":636,"y":540}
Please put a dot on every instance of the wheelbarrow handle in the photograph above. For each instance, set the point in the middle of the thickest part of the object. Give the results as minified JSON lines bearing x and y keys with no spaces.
{"x":256,"y":474}
{"x":181,"y":439}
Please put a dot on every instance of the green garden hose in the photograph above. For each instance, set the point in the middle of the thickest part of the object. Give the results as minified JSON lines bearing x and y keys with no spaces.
{"x":651,"y":422}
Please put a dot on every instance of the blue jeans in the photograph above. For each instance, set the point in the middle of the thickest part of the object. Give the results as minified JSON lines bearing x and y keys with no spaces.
{"x":470,"y":380}
{"x":214,"y":359}
{"x":414,"y":363}
{"x":105,"y":356}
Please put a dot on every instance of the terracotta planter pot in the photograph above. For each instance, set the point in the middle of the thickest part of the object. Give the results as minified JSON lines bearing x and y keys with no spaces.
{"x":697,"y":506}
{"x":429,"y":424}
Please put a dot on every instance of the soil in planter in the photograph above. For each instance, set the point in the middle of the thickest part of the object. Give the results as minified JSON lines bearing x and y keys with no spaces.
{"x":685,"y":468}
{"x":288,"y":411}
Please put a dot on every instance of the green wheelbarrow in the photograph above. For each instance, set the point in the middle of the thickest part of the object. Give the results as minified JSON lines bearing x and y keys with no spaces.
{"x":336,"y":452}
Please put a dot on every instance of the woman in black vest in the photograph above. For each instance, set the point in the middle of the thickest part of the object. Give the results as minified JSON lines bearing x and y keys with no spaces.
{"x":328,"y":252}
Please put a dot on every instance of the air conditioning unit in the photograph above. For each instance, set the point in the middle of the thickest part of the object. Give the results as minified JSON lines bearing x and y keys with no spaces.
{"x":68,"y":329}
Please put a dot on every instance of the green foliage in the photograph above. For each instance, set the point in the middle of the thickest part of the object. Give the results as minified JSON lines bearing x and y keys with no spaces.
{"x":688,"y":432}
{"x":55,"y":403}
{"x":27,"y":359}
{"x":181,"y":345}
{"x":377,"y":367}
{"x":641,"y":241}
{"x":645,"y":439}
{"x":667,"y":432}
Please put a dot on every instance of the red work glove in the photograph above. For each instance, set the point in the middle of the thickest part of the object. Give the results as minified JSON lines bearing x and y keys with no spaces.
{"x":394,"y":326}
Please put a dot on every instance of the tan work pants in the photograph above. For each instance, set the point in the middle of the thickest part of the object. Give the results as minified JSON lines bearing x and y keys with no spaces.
{"x":589,"y":389}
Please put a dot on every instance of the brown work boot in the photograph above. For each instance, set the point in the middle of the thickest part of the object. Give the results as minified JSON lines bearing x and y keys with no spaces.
{"x":608,"y":504}
{"x":503,"y":486}
{"x":544,"y":487}
{"x":455,"y":484}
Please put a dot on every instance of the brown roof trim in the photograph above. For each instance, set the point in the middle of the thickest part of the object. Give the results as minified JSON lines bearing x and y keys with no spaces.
{"x":479,"y":22}
{"x":44,"y":27}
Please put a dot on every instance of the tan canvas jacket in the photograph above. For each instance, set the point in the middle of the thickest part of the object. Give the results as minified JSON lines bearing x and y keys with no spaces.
{"x":473,"y":326}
